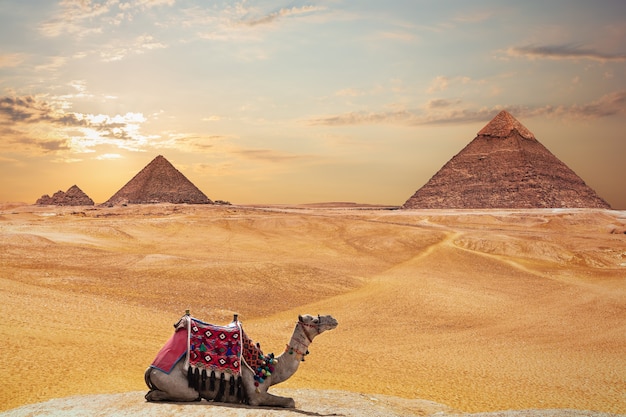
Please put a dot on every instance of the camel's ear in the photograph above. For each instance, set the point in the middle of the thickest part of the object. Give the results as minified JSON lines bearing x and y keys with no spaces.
{"x":300,"y":318}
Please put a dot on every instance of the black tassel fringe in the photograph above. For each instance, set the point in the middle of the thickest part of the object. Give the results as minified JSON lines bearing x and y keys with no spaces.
{"x":222,"y":388}
{"x":190,"y":377}
{"x":212,"y":381}
{"x":196,"y":379}
{"x":203,"y":386}
{"x":240,"y":392}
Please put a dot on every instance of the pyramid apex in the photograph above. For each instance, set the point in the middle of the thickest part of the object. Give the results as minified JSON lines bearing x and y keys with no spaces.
{"x":503,"y":124}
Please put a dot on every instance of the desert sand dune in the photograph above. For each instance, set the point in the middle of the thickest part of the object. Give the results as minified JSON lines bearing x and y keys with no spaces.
{"x":480,"y":311}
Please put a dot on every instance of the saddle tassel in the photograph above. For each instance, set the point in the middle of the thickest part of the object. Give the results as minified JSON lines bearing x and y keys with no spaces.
{"x":196,"y":379}
{"x":222,"y":388}
{"x":203,"y":386}
{"x":212,"y":381}
{"x":231,"y":389}
{"x":240,"y":392}
{"x":190,"y":377}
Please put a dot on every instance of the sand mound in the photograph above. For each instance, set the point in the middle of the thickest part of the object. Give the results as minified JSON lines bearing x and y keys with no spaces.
{"x":309,"y":403}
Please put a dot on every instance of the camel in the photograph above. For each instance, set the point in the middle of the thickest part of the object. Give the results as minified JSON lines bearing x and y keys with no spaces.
{"x":175,"y":385}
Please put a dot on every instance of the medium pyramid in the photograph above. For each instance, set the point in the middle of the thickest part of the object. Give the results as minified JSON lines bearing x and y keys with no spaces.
{"x":159,"y":182}
{"x":505,"y":166}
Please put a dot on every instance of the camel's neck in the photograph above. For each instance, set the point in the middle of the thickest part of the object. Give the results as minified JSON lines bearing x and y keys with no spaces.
{"x":295,"y":352}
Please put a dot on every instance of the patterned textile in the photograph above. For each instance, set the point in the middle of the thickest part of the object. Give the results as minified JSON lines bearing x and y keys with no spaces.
{"x":215,"y":348}
{"x":252,"y":353}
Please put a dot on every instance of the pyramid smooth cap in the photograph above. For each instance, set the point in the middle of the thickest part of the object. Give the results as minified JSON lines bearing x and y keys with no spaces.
{"x":503,"y":124}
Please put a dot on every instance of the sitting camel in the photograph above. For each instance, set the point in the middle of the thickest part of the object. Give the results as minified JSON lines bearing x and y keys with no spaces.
{"x":180,"y":384}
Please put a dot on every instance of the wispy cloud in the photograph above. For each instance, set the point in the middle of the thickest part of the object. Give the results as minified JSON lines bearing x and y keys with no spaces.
{"x":74,"y":16}
{"x":118,"y":50}
{"x":81,"y":18}
{"x":52,"y":64}
{"x":11,"y":60}
{"x":282,"y":13}
{"x":269,"y":155}
{"x":109,"y":156}
{"x":441,"y":83}
{"x":562,"y":52}
{"x":402,"y":117}
{"x":439,"y":112}
{"x":240,"y":22}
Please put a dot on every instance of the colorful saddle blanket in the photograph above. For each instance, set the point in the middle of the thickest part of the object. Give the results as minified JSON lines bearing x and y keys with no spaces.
{"x":215,"y":348}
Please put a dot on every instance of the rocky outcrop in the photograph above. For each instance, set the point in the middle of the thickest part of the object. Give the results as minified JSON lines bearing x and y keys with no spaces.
{"x":505,"y":166}
{"x":158,"y":182}
{"x":74,"y":196}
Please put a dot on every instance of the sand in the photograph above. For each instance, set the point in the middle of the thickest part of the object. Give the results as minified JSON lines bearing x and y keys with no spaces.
{"x":477,"y":311}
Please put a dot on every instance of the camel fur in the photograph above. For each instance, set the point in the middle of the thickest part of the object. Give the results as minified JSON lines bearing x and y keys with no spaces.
{"x":174,"y":386}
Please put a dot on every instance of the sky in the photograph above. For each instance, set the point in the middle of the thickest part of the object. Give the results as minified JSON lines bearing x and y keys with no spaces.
{"x":281,"y":101}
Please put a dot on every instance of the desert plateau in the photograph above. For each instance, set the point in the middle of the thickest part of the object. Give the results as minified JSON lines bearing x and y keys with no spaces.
{"x":475,"y":310}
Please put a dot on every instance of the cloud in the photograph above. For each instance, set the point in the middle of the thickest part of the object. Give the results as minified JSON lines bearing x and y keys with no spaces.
{"x":108,"y":156}
{"x":268,"y":155}
{"x":53,"y":64}
{"x":402,"y":117}
{"x":282,"y":13}
{"x":119,"y":50}
{"x":441,"y":103}
{"x":147,"y":4}
{"x":398,"y":36}
{"x":562,"y":52}
{"x":85,"y":17}
{"x":11,"y":60}
{"x":48,"y":127}
{"x":440,"y":112}
{"x":72,"y":16}
{"x":441,"y":83}
{"x":238,"y":22}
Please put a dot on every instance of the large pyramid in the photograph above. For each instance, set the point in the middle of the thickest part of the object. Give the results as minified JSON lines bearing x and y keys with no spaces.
{"x":159,"y":182}
{"x":505,"y":166}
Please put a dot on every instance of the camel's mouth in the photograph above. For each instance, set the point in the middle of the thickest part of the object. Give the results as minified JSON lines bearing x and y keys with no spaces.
{"x":332,"y":323}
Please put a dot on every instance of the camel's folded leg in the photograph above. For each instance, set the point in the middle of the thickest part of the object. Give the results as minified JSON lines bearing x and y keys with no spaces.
{"x":168,"y":387}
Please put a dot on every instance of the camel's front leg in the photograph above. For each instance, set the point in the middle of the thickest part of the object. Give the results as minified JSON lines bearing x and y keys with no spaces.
{"x":270,"y":400}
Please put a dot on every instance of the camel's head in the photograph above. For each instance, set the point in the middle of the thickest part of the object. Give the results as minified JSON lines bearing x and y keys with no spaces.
{"x":319,"y":323}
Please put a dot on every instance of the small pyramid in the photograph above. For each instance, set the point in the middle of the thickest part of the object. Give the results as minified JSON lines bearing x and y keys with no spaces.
{"x":505,"y":166}
{"x":159,"y":182}
{"x":74,"y":196}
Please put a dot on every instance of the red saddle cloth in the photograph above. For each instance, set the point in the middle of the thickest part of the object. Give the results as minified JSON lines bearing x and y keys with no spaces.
{"x":172,"y":352}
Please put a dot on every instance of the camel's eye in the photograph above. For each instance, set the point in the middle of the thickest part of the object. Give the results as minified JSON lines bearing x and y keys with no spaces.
{"x":316,"y":321}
